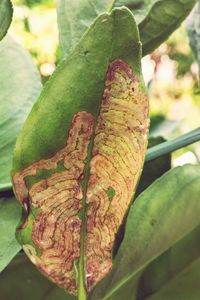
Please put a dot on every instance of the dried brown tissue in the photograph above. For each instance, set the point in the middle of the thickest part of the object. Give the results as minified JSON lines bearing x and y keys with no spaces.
{"x":117,"y":158}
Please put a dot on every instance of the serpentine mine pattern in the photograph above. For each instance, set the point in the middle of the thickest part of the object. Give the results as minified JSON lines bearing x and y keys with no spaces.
{"x":117,"y":158}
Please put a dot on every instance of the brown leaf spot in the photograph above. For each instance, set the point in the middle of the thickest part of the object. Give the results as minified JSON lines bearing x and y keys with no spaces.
{"x":118,"y":154}
{"x":117,"y":158}
{"x":56,"y":229}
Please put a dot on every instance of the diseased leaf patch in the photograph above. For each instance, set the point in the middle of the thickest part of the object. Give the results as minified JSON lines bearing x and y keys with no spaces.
{"x":118,"y":154}
{"x":118,"y":143}
{"x":56,"y":229}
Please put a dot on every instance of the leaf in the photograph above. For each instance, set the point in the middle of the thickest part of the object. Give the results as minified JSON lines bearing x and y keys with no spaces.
{"x":163,"y":18}
{"x":168,"y":269}
{"x":74,"y":18}
{"x":20,"y":85}
{"x":156,"y":19}
{"x":10,"y":215}
{"x":91,"y":116}
{"x":163,"y":270}
{"x":21,"y":280}
{"x":6,"y":12}
{"x":184,"y":287}
{"x":139,"y":8}
{"x":163,"y":214}
{"x":128,"y":290}
{"x":193,"y":28}
{"x":151,"y":171}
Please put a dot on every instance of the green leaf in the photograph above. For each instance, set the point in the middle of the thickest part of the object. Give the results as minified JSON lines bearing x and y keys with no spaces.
{"x":163,"y":214}
{"x":89,"y":119}
{"x":20,"y":85}
{"x":21,"y":280}
{"x":128,"y":290}
{"x":10,"y":215}
{"x":164,"y":17}
{"x":184,"y":287}
{"x":6,"y":12}
{"x":162,"y":271}
{"x":74,"y":18}
{"x":168,"y":269}
{"x":156,"y":19}
{"x":139,"y":8}
{"x":193,"y":28}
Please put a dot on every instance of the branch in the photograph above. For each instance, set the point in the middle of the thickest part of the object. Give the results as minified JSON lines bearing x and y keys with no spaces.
{"x":170,"y":146}
{"x":153,"y":152}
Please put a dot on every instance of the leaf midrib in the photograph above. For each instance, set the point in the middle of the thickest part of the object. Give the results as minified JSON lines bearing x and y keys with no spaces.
{"x":83,"y":234}
{"x":81,"y":265}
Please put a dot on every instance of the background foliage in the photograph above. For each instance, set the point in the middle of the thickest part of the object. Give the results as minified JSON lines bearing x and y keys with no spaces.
{"x":158,"y":258}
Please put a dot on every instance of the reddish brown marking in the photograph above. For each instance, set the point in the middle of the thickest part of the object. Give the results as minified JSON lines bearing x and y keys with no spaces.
{"x":118,"y":154}
{"x":56,"y":229}
{"x":117,"y":159}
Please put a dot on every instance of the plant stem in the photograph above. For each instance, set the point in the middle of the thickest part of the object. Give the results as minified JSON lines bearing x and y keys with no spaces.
{"x":170,"y":146}
{"x":111,"y":5}
{"x":5,"y":187}
{"x":153,"y":152}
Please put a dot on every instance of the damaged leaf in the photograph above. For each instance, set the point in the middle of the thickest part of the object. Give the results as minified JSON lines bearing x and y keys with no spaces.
{"x":80,"y":154}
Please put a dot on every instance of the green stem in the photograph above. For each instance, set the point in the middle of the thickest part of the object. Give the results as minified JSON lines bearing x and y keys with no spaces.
{"x":82,"y":294}
{"x":5,"y":187}
{"x":111,"y":5}
{"x":170,"y":146}
{"x":154,"y":152}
